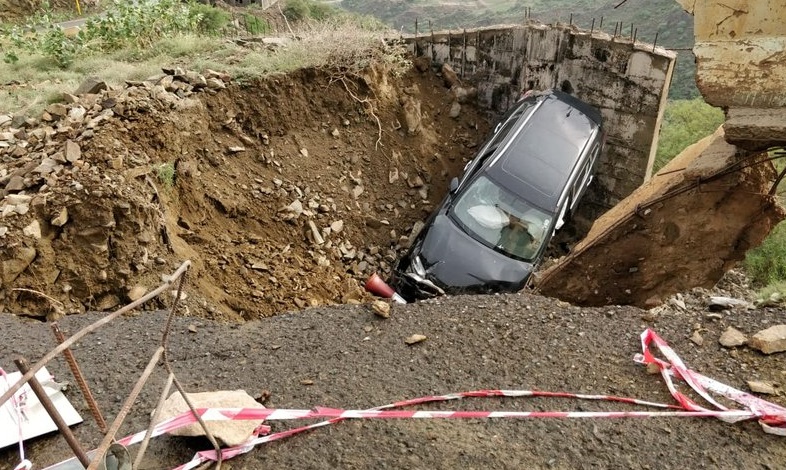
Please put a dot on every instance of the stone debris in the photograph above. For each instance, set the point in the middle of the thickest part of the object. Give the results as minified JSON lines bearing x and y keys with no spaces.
{"x":697,"y":339}
{"x":414,"y":339}
{"x":766,"y":388}
{"x":231,"y":433}
{"x":771,"y":340}
{"x":725,"y":303}
{"x":381,"y":308}
{"x":732,"y":337}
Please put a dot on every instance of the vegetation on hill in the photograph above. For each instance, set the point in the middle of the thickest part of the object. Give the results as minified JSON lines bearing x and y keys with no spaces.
{"x":664,"y":18}
{"x":134,"y":40}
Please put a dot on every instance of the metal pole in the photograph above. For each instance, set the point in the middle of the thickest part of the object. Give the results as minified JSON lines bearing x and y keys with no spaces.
{"x":592,"y":28}
{"x":89,"y":329}
{"x":110,"y":435}
{"x":80,"y":379}
{"x":24,"y":366}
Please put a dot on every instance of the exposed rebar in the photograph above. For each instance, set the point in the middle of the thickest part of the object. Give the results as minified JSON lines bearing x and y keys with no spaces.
{"x":24,"y":367}
{"x":121,"y":416}
{"x":89,"y":329}
{"x":80,"y":379}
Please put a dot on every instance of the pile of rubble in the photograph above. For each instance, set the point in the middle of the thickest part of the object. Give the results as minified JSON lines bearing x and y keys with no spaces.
{"x":275,"y":191}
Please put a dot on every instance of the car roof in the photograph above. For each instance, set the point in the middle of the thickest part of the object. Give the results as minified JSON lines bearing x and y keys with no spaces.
{"x":538,"y":157}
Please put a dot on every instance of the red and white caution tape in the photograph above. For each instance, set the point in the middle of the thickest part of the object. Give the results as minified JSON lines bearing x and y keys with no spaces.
{"x":771,"y":416}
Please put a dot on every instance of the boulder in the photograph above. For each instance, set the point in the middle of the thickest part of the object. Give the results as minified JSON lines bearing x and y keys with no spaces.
{"x":771,"y":340}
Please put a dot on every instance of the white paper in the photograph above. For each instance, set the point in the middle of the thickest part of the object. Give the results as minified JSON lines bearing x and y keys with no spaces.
{"x":34,"y":419}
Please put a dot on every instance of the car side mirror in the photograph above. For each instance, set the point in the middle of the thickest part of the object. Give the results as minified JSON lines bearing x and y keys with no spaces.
{"x":453,"y":185}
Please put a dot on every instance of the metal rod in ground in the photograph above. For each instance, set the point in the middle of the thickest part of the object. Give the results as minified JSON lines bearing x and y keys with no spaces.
{"x":121,"y":416}
{"x":80,"y":380}
{"x":89,"y":329}
{"x":153,"y":420}
{"x":23,"y":365}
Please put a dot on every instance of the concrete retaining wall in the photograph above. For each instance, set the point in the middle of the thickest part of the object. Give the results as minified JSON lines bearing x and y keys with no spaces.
{"x":627,"y":82}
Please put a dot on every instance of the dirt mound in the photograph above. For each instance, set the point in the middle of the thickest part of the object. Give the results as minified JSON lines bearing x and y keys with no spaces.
{"x":285,"y":192}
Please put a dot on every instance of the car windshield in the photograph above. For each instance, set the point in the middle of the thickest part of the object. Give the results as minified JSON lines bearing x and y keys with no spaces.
{"x":498,"y":218}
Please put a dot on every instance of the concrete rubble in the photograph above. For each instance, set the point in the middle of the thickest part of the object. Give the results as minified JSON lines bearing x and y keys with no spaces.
{"x":770,"y":341}
{"x":231,"y":433}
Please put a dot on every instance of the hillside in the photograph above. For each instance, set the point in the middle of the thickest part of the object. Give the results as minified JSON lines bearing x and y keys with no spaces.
{"x":674,"y":27}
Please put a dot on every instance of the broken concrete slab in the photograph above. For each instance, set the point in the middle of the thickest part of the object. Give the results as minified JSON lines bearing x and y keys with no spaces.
{"x":755,"y":128}
{"x":684,"y":228}
{"x":231,"y":433}
{"x":771,"y":340}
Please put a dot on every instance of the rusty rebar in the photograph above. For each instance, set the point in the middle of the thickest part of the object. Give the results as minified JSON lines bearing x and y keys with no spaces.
{"x":149,"y":433}
{"x":178,"y":386}
{"x":89,"y":329}
{"x":24,"y":367}
{"x":80,"y":379}
{"x":121,"y":416}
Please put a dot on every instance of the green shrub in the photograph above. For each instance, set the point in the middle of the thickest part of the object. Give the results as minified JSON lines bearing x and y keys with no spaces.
{"x":685,"y":122}
{"x":209,"y":20}
{"x":166,"y":174}
{"x":296,"y":10}
{"x":255,"y":25}
{"x":766,"y":264}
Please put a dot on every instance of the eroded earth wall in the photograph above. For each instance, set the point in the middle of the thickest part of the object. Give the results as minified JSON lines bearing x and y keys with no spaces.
{"x":627,"y":81}
{"x":684,"y":228}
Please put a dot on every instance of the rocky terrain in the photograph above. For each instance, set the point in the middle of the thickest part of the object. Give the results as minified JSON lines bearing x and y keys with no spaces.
{"x":284,"y":193}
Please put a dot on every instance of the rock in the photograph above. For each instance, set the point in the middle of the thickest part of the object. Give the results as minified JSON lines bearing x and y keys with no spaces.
{"x":455,"y":110}
{"x":304,"y":152}
{"x":725,"y":303}
{"x":17,"y":199}
{"x":5,"y":120}
{"x":678,"y":303}
{"x":15,"y":266}
{"x":3,"y":231}
{"x":393,"y":175}
{"x":337,"y":226}
{"x":107,"y":302}
{"x":696,"y":338}
{"x":414,"y":339}
{"x":412,"y":114}
{"x":236,"y":149}
{"x":357,"y":191}
{"x":293,"y":210}
{"x":77,"y":114}
{"x":767,"y":388}
{"x":16,"y":183}
{"x":47,"y":166}
{"x":335,"y":132}
{"x":422,"y":63}
{"x":449,"y":76}
{"x":371,"y":222}
{"x":91,"y":86}
{"x":33,"y":230}
{"x":381,"y":308}
{"x":732,"y":337}
{"x":215,"y":83}
{"x":771,"y":340}
{"x":315,"y":233}
{"x":137,"y":292}
{"x":57,"y":109}
{"x":463,"y":94}
{"x":231,"y":433}
{"x":72,"y":151}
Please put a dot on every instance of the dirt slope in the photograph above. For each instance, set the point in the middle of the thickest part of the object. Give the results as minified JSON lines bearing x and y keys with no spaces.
{"x":238,"y":180}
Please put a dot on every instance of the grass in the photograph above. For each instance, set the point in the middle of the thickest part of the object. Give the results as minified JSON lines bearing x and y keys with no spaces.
{"x":166,"y":174}
{"x":41,"y":81}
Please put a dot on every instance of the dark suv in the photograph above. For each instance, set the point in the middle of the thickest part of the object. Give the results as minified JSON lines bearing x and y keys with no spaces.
{"x":493,"y":227}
